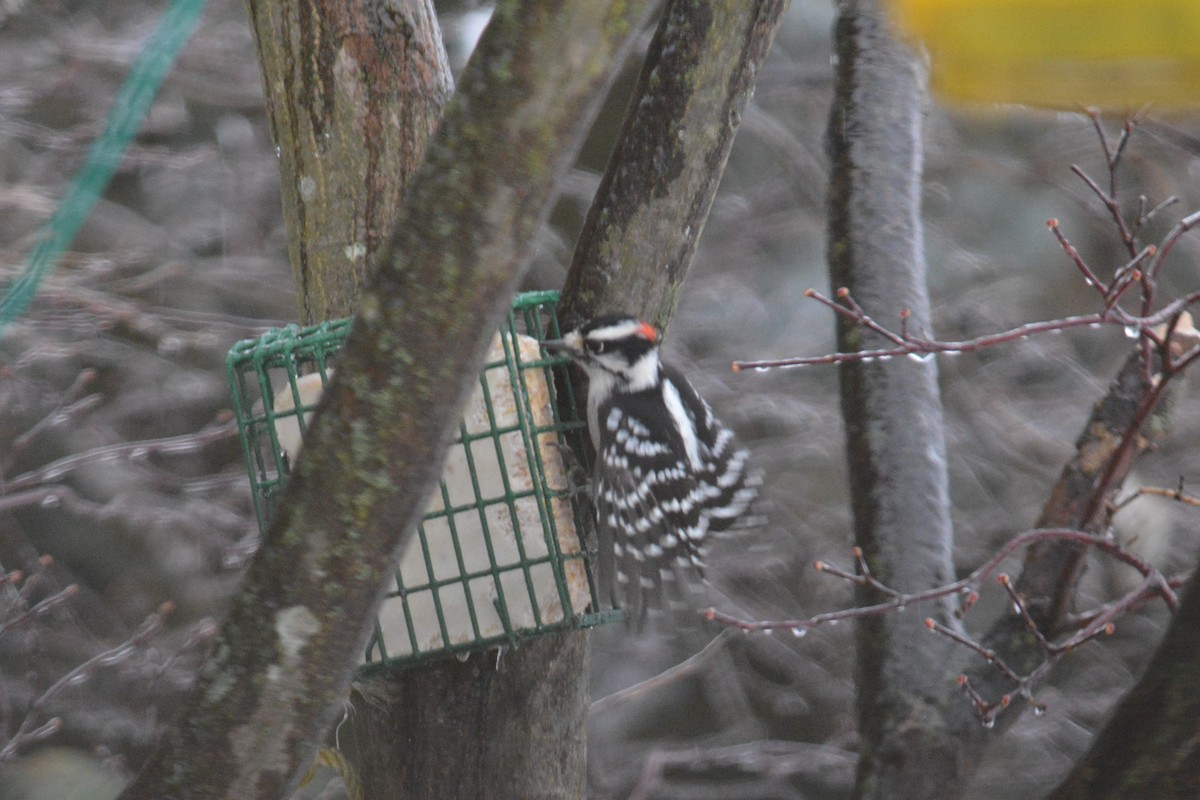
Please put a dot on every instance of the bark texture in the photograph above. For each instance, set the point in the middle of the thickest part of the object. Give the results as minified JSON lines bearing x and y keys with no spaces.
{"x":515,"y":728}
{"x":496,"y":726}
{"x":354,"y":88}
{"x":1106,"y":449}
{"x":281,"y":667}
{"x":640,"y":234}
{"x":892,"y":411}
{"x":1151,"y":745}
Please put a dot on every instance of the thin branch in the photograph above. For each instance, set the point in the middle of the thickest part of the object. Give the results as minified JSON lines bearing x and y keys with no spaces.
{"x":917,"y":347}
{"x":1110,"y":202}
{"x":224,"y":428}
{"x":964,"y":586}
{"x":1128,"y":275}
{"x":29,"y":731}
{"x":1112,"y":158}
{"x":1146,"y":217}
{"x":1177,"y":494}
{"x":989,"y":655}
{"x":1023,"y":609}
{"x":1073,"y":254}
{"x":68,"y":409}
{"x":26,"y":616}
{"x":1171,"y":239}
{"x":1099,"y":622}
{"x":664,"y":678}
{"x":776,"y":761}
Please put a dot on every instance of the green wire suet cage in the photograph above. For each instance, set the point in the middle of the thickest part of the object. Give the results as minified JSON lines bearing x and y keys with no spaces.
{"x":499,"y":555}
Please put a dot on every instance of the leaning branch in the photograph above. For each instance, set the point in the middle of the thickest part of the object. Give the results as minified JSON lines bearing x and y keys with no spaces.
{"x":282,"y":665}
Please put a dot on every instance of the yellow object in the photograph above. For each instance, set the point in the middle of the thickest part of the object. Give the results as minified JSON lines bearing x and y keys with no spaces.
{"x":1115,"y":54}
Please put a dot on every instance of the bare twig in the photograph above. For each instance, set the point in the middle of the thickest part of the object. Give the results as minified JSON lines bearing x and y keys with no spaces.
{"x":68,"y":409}
{"x":1088,"y":276}
{"x":914,"y":346}
{"x":964,"y":586}
{"x":224,"y":428}
{"x":917,"y":347}
{"x":1170,"y":240}
{"x":989,"y":655}
{"x":1099,"y":622}
{"x":30,"y":730}
{"x":25,"y":616}
{"x":1142,"y":269}
{"x":683,"y":668}
{"x":775,"y":761}
{"x":1177,"y":494}
{"x":1112,"y":158}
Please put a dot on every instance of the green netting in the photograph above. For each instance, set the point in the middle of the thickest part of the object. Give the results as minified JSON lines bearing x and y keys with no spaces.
{"x":129,"y":107}
{"x":498,"y":556}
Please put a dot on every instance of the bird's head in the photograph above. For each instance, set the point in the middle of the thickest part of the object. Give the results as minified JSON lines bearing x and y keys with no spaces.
{"x":613,"y":347}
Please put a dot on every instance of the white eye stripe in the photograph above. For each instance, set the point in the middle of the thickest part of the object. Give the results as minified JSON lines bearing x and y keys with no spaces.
{"x":621,"y":330}
{"x":669,"y":475}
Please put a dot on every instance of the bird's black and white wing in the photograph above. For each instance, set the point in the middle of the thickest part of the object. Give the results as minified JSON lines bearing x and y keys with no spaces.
{"x":668,"y":474}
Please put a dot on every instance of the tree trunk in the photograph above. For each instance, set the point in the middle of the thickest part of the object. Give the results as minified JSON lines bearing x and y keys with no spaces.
{"x":892,"y":411}
{"x":281,"y":667}
{"x":354,"y":89}
{"x":1151,"y":746}
{"x":921,"y":737}
{"x":633,"y":254}
{"x":641,"y":232}
{"x":498,"y":725}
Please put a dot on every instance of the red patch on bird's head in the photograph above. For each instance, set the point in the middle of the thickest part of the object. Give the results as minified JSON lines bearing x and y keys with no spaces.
{"x":648,"y":332}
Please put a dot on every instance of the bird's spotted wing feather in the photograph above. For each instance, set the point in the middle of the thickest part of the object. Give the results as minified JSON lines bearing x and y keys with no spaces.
{"x":730,"y":487}
{"x":725,"y":486}
{"x":661,"y":486}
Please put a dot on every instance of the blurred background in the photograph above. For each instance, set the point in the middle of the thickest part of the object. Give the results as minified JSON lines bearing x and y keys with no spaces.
{"x":185,"y":254}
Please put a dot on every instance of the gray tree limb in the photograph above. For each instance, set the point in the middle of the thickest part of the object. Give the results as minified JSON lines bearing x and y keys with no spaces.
{"x":353,"y":91}
{"x":641,"y":232}
{"x":280,"y":670}
{"x":892,"y":411}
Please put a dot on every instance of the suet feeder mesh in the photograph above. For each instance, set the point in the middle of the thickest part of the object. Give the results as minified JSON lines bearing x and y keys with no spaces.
{"x":498,"y":556}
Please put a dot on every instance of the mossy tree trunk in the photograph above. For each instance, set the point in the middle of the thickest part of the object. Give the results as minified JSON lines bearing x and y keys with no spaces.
{"x":921,"y":737}
{"x":354,"y":90}
{"x":281,"y":668}
{"x":641,"y":232}
{"x":515,"y":728}
{"x":892,"y":411}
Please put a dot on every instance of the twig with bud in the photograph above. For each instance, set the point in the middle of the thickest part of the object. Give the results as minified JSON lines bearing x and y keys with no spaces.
{"x":1176,"y":494}
{"x":30,"y":731}
{"x":1168,"y":343}
{"x":21,"y":612}
{"x":225,"y":427}
{"x":1100,"y":622}
{"x":1143,"y":269}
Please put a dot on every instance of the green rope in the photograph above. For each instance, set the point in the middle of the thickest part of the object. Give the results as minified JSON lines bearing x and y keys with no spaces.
{"x":129,"y":107}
